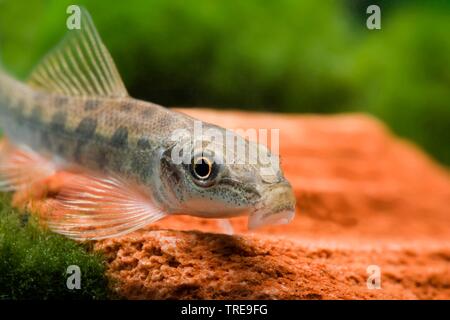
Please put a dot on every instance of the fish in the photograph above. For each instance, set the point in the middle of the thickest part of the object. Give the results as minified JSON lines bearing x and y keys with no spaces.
{"x":136,"y":162}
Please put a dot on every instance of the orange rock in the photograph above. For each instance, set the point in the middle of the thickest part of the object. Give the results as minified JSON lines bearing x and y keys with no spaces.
{"x":167,"y":264}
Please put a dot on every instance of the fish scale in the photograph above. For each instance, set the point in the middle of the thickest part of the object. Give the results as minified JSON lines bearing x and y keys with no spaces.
{"x":72,"y":132}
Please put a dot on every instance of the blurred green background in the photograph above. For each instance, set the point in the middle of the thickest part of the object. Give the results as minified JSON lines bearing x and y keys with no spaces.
{"x":279,"y":55}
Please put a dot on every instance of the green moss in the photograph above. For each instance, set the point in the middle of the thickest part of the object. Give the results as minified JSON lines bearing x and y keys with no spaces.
{"x":33,"y":261}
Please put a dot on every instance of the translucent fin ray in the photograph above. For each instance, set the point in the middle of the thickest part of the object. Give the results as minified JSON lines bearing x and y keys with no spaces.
{"x":79,"y":66}
{"x":92,"y":207}
{"x":20,"y":167}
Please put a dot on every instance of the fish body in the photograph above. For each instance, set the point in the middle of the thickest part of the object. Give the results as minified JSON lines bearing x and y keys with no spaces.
{"x":121,"y":135}
{"x":74,"y":112}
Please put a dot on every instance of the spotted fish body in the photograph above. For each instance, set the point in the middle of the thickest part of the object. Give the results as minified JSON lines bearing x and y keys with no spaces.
{"x":121,"y":135}
{"x":75,"y":112}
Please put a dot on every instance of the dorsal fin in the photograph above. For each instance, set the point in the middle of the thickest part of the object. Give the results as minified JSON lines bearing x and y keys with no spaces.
{"x":80,"y":65}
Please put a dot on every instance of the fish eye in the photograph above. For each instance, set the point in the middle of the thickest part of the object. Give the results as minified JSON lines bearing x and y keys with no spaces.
{"x":203,"y":169}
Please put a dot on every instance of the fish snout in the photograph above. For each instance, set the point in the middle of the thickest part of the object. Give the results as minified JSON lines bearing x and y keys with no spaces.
{"x":276,"y":206}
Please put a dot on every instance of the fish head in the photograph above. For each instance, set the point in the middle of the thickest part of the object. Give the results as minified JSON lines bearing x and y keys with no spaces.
{"x":220,"y":174}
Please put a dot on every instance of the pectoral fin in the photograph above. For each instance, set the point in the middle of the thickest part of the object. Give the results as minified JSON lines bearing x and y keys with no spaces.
{"x":91,"y":207}
{"x":21,"y":167}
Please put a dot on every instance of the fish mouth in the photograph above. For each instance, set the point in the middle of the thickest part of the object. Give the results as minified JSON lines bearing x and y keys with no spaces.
{"x":276,"y":206}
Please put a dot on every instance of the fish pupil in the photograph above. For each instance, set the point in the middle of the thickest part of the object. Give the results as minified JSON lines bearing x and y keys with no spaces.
{"x":202,"y":168}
